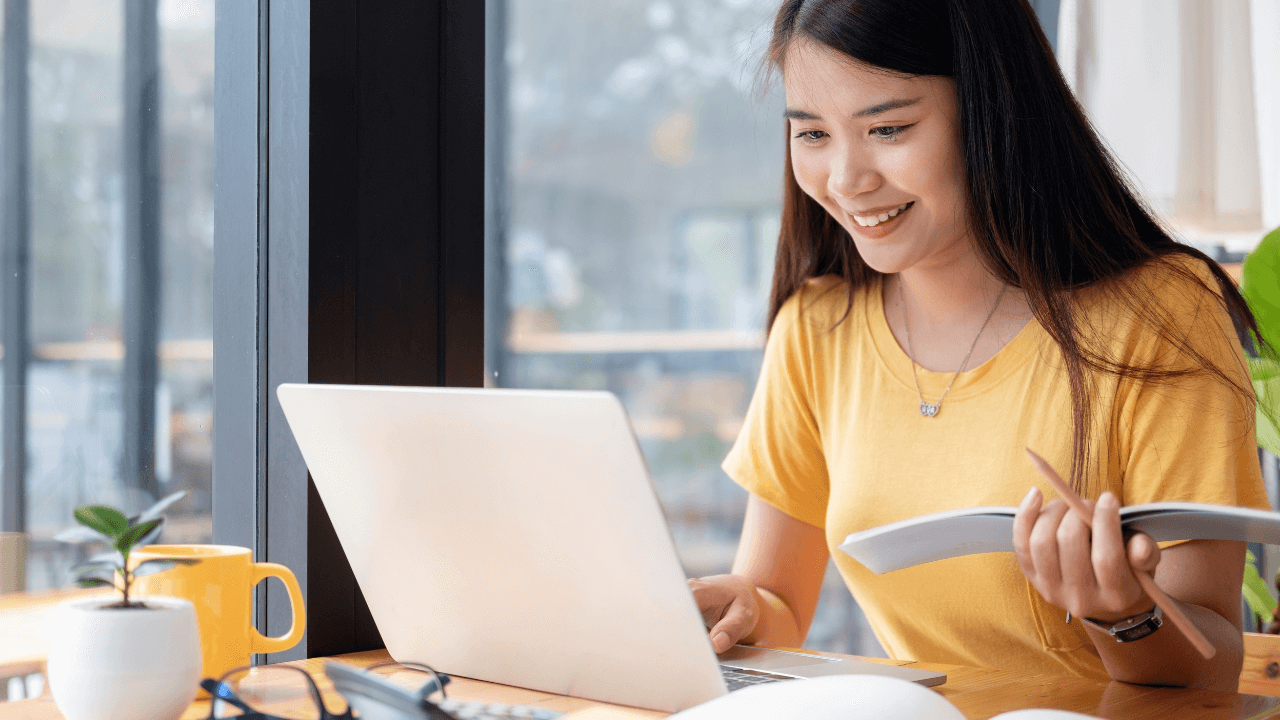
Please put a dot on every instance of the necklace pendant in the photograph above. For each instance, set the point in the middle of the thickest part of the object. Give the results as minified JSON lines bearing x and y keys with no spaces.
{"x":929,"y":409}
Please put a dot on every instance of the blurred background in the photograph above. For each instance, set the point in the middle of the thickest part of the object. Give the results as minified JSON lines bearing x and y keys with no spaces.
{"x":642,"y":163}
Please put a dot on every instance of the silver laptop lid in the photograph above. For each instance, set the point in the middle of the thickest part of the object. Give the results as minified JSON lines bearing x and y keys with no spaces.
{"x":508,"y":535}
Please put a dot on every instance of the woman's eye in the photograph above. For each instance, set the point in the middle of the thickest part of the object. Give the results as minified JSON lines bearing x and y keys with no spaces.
{"x":811,"y":136}
{"x":888,"y":132}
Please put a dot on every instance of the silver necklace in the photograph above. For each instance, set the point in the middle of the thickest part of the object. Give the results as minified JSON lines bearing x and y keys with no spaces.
{"x":931,"y":409}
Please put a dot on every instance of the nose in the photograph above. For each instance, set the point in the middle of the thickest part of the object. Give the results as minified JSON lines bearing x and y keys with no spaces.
{"x":851,"y":174}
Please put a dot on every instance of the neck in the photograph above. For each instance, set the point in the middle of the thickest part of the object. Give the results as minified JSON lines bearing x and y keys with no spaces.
{"x":948,"y":294}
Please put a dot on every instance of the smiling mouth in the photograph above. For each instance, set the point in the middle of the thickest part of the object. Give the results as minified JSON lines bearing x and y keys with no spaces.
{"x":874,"y":220}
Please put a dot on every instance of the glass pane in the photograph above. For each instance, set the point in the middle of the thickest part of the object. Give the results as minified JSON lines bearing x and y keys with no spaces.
{"x":645,"y":175}
{"x":79,"y":284}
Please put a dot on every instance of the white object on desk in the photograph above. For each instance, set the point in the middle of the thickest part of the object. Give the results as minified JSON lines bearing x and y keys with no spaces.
{"x":846,"y":697}
{"x":124,"y":664}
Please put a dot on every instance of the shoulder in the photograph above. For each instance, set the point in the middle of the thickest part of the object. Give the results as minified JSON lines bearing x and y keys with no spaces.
{"x":822,"y":303}
{"x":1168,"y":314}
{"x":1161,"y":295}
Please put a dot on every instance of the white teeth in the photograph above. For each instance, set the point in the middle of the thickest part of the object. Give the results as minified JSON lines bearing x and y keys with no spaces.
{"x":873,"y":220}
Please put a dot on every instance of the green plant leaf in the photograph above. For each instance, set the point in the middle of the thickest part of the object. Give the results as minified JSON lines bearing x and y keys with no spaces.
{"x":81,"y":534}
{"x":95,"y":565}
{"x":151,"y":537}
{"x":1261,"y":286}
{"x":93,"y":582}
{"x":115,"y":558}
{"x":126,"y":540}
{"x":154,"y":511}
{"x":103,"y":574}
{"x":108,"y":521}
{"x":1255,"y":591}
{"x":157,"y":565}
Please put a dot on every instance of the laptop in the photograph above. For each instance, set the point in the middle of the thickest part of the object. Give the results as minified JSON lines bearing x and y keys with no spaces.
{"x":514,"y":536}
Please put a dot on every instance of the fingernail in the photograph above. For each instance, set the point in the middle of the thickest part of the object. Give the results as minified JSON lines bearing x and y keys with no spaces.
{"x":1030,"y":496}
{"x":720,"y":642}
{"x":1108,"y":500}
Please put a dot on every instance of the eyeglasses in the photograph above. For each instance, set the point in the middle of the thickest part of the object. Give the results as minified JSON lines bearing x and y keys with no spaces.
{"x":386,"y":691}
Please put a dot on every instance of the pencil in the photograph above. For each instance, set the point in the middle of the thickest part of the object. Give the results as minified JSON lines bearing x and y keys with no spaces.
{"x":1148,"y":583}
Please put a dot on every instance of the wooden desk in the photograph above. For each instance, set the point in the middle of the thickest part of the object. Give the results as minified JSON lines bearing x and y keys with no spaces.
{"x":979,"y":693}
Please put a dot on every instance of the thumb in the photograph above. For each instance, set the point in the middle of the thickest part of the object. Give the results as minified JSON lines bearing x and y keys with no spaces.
{"x":736,"y":623}
{"x":1144,"y":553}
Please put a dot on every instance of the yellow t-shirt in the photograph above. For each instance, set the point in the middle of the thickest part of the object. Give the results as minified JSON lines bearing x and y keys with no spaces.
{"x":834,"y":437}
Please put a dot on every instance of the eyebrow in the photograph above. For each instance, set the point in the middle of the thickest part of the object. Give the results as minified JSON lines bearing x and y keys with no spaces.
{"x":794,"y":114}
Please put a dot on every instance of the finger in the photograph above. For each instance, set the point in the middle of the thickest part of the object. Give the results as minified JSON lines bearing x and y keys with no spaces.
{"x":1044,"y":545}
{"x":711,"y":599}
{"x":1074,"y":558}
{"x":737,"y":622}
{"x":1116,"y":583}
{"x":1144,"y":553}
{"x":1023,"y":521}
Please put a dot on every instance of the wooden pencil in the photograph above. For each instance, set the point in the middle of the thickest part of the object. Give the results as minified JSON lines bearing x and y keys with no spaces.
{"x":1167,"y":604}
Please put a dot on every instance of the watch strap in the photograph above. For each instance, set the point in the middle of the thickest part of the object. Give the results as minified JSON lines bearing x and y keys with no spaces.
{"x":1130,"y":628}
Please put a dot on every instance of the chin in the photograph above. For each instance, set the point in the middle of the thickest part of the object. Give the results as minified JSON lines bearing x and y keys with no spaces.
{"x":886,"y":260}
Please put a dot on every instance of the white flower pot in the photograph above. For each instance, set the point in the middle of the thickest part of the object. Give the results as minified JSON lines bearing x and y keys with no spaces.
{"x":124,"y":664}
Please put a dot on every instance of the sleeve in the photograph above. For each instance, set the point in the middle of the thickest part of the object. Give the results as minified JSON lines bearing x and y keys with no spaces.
{"x":1192,"y":438}
{"x":778,"y":455}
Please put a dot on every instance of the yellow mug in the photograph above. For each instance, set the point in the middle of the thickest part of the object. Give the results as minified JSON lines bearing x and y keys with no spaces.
{"x":221,"y":588}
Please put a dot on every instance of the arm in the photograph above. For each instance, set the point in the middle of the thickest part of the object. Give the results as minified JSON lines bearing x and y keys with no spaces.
{"x":1089,"y":574}
{"x":772,"y":593}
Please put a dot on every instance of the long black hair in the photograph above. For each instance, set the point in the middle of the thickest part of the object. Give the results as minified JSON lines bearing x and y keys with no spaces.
{"x":1049,"y":209}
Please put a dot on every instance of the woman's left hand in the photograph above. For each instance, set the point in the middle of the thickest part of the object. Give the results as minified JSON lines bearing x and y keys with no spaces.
{"x":1086,"y":572}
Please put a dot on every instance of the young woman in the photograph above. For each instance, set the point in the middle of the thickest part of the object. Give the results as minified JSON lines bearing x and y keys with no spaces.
{"x":963,"y":273}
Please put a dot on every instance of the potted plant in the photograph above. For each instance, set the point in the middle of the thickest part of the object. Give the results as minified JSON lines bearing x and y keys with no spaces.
{"x":114,"y":657}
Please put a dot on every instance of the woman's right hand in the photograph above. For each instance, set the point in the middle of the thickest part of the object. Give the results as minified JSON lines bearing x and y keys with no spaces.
{"x":729,"y":606}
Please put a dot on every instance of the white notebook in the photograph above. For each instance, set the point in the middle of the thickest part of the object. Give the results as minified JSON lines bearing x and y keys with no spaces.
{"x":969,"y":531}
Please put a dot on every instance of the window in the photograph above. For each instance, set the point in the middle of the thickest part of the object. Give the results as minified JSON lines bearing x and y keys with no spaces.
{"x":645,"y":163}
{"x":90,"y":62}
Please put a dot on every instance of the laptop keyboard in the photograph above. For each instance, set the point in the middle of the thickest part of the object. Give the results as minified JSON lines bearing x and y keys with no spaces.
{"x":737,"y":678}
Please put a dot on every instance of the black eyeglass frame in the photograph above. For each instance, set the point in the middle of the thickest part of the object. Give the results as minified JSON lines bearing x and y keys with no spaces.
{"x":219,"y":690}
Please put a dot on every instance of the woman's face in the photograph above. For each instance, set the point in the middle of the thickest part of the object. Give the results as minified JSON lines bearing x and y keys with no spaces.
{"x":881,"y":152}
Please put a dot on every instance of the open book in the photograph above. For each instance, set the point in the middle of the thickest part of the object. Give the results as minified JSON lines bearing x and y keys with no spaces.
{"x":969,"y":531}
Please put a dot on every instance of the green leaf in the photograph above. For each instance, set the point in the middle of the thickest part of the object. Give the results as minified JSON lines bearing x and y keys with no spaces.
{"x":126,"y":541}
{"x":1261,"y":286}
{"x":1256,"y":593}
{"x":151,"y":537}
{"x":94,"y":566}
{"x":93,"y":582}
{"x":81,"y":534}
{"x":1265,"y":374}
{"x":88,"y":571}
{"x":108,"y":521}
{"x":154,"y":511}
{"x":157,"y":565}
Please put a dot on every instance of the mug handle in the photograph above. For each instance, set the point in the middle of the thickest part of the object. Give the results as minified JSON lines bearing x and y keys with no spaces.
{"x":260,"y":643}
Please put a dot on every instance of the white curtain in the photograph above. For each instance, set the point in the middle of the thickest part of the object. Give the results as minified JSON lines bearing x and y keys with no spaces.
{"x":1187,"y":95}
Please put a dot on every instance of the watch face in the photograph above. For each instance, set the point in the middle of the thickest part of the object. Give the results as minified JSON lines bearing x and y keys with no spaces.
{"x":1139,"y":631}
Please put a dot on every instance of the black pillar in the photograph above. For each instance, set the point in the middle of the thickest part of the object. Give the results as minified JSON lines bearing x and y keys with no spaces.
{"x":141,"y":166}
{"x":15,"y":261}
{"x":396,"y":263}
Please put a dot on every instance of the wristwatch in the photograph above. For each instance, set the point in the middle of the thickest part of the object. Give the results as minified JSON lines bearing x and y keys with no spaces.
{"x":1130,"y":628}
